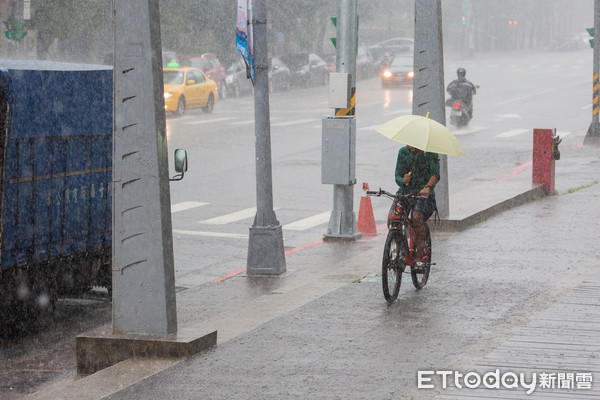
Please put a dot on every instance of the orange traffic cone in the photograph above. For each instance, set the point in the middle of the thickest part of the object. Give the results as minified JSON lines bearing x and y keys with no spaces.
{"x":366,"y":219}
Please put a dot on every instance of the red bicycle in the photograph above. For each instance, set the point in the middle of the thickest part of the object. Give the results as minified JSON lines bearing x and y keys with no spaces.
{"x":400,"y":248}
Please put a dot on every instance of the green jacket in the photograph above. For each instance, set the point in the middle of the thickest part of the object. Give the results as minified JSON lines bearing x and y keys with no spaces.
{"x":422,"y":169}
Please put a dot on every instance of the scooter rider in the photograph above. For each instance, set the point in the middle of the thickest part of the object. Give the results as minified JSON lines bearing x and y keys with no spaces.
{"x":462,"y":90}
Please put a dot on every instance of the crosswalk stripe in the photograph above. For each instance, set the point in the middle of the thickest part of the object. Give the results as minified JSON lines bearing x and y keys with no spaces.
{"x":307,"y":223}
{"x":211,"y":234}
{"x":232,"y":217}
{"x":295,"y":122}
{"x":468,"y":130}
{"x":206,"y":121}
{"x":513,"y":132}
{"x":247,"y":122}
{"x":186,"y":205}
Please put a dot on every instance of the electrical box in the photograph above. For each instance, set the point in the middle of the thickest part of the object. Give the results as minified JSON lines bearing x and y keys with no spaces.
{"x":338,"y":151}
{"x":339,"y":90}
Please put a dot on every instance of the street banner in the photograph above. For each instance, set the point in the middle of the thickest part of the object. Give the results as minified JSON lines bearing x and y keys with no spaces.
{"x":243,"y":34}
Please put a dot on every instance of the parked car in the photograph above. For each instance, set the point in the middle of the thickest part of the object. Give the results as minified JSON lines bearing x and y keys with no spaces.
{"x":209,"y":64}
{"x":280,"y":76}
{"x":188,"y":88}
{"x":400,"y":72}
{"x":307,"y":69}
{"x":237,"y":81}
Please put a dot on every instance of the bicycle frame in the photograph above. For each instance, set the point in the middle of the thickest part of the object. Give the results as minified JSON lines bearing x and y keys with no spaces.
{"x":402,"y":221}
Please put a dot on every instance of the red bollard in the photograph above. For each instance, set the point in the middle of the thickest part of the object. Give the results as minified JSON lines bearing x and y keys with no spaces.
{"x":545,"y":152}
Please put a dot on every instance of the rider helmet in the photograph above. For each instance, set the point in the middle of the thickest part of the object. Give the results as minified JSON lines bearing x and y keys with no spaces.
{"x":461,"y":72}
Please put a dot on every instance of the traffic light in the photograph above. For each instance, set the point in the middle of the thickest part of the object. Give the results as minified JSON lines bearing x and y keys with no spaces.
{"x":513,"y":22}
{"x":464,"y":20}
{"x":8,"y":30}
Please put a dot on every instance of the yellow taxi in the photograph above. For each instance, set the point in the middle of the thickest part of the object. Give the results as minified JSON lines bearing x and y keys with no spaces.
{"x":188,"y":87}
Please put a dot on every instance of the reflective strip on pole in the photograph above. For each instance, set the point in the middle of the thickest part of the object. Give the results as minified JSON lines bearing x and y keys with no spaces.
{"x":340,"y":112}
{"x":596,"y":90}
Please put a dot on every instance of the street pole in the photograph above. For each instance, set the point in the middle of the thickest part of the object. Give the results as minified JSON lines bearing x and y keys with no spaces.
{"x":593,"y":134}
{"x":143,"y":276}
{"x":342,"y":223}
{"x":265,"y":245}
{"x":428,"y":84}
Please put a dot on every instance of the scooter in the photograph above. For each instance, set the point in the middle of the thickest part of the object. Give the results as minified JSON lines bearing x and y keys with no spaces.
{"x":459,"y":113}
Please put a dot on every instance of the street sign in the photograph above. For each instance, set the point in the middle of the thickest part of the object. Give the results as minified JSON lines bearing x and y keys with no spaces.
{"x":591,"y":32}
{"x":243,"y":34}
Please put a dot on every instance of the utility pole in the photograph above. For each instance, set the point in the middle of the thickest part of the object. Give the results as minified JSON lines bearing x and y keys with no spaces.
{"x":142,"y":243}
{"x":342,"y":223}
{"x":593,"y":134}
{"x":428,"y":84}
{"x":265,"y":245}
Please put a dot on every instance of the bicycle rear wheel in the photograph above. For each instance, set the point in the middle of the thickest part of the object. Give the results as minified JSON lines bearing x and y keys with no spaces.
{"x":393,"y":265}
{"x":420,"y":278}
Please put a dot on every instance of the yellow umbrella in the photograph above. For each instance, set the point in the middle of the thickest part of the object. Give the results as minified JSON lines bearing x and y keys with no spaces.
{"x":423,"y":133}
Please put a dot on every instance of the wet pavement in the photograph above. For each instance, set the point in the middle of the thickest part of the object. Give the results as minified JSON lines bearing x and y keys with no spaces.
{"x":516,"y":291}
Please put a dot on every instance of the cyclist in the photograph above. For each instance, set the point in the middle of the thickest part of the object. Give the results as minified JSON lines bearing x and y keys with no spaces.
{"x":418,"y":172}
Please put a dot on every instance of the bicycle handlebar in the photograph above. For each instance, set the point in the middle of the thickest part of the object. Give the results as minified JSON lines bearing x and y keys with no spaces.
{"x":392,"y":196}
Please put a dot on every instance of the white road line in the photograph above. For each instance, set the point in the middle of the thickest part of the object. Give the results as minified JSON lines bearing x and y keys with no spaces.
{"x":295,"y":122}
{"x":247,"y":122}
{"x":186,"y":205}
{"x":563,"y":134}
{"x":212,"y":234}
{"x":515,"y":116}
{"x":513,"y":132}
{"x":466,"y":131}
{"x":308,"y":223}
{"x":206,"y":121}
{"x":586,"y":107}
{"x":232,"y":217}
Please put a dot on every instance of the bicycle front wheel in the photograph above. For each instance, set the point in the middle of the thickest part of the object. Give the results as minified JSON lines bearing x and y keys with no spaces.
{"x":420,"y":278}
{"x":393,"y":265}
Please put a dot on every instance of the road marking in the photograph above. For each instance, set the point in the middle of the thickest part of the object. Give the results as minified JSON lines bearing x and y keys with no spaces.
{"x":369,"y":128}
{"x":513,"y":132}
{"x":563,"y":134}
{"x":515,"y":116}
{"x":308,"y":223}
{"x":517,"y":171}
{"x":586,"y":107}
{"x":288,"y":252}
{"x":466,"y":131}
{"x":232,"y":217}
{"x":186,"y":205}
{"x":206,"y":121}
{"x":295,"y":122}
{"x":211,"y":234}
{"x":247,"y":122}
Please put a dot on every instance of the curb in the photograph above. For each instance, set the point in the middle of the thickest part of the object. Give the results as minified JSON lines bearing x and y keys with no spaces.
{"x":457,"y":225}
